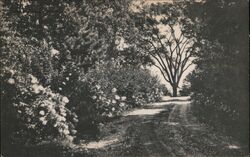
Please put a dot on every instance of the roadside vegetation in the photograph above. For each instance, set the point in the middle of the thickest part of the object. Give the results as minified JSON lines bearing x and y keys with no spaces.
{"x":69,"y":67}
{"x":220,"y":82}
{"x":58,"y":84}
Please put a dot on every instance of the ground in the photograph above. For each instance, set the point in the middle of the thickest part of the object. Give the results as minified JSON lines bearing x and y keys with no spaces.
{"x":162,"y":129}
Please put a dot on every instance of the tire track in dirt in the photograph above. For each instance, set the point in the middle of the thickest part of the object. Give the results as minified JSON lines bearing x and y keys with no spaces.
{"x":150,"y":144}
{"x":173,"y":132}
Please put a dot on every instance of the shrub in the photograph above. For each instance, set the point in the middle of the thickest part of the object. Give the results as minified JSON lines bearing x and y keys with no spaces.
{"x":32,"y":113}
{"x":110,"y":89}
{"x":130,"y":85}
{"x":221,"y":103}
{"x":32,"y":109}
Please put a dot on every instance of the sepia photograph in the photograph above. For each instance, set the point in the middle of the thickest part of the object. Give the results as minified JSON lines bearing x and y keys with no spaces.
{"x":124,"y":78}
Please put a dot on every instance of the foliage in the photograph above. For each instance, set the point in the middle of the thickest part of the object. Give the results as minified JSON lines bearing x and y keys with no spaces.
{"x":23,"y":61}
{"x":46,"y":46}
{"x":220,"y":82}
{"x":56,"y":41}
{"x":75,"y":32}
{"x":160,"y":34}
{"x":185,"y":90}
{"x":110,"y":89}
{"x":186,"y":87}
{"x":32,"y":113}
{"x":129,"y":81}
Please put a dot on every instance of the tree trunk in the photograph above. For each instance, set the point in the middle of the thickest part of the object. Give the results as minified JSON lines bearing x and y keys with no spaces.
{"x":174,"y":91}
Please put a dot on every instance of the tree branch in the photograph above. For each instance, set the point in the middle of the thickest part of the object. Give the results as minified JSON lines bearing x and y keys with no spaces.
{"x":163,"y":74}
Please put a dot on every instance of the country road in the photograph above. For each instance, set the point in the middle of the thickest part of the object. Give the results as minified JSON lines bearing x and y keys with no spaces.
{"x":163,"y":129}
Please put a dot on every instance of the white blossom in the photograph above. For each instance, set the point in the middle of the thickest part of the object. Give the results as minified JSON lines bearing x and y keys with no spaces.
{"x":11,"y":81}
{"x":65,"y":99}
{"x":54,"y":52}
{"x":114,"y":90}
{"x":94,"y":97}
{"x":70,"y":138}
{"x":123,"y":98}
{"x":42,"y":113}
{"x":66,"y":132}
{"x":12,"y":72}
{"x":53,"y":111}
{"x":73,"y":132}
{"x":110,"y":114}
{"x":117,"y":97}
{"x":75,"y":120}
{"x":37,"y":88}
{"x":122,"y":104}
{"x":33,"y":79}
{"x":44,"y":122}
{"x":63,"y":114}
{"x":42,"y":119}
{"x":98,"y":87}
{"x":62,"y":119}
{"x":60,"y":130}
{"x":45,"y":27}
{"x":32,"y":126}
{"x":108,"y":101}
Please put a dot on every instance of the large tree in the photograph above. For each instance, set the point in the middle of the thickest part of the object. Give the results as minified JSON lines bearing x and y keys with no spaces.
{"x":162,"y":34}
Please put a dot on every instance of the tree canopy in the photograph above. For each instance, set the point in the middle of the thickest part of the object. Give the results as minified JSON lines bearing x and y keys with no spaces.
{"x":162,"y":35}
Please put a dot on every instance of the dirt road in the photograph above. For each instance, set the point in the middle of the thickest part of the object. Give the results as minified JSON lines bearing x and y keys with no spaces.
{"x":164,"y":129}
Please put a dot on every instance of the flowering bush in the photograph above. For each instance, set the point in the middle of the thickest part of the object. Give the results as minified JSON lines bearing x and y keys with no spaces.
{"x":94,"y":105}
{"x":114,"y":89}
{"x":107,"y":91}
{"x":108,"y":104}
{"x":38,"y":113}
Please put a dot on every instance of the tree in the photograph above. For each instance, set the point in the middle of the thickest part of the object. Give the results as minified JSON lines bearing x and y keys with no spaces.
{"x":77,"y":33}
{"x":162,"y":35}
{"x":220,"y":82}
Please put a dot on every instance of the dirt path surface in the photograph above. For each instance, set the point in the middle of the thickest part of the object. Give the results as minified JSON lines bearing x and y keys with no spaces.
{"x":160,"y":130}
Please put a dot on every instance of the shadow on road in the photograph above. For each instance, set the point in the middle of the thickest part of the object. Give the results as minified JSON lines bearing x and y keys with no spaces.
{"x":162,"y":129}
